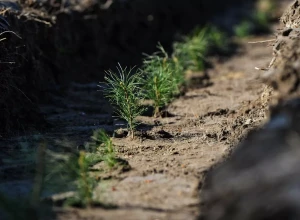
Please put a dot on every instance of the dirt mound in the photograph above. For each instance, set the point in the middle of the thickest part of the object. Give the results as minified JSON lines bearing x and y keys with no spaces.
{"x":284,"y":74}
{"x":261,"y":178}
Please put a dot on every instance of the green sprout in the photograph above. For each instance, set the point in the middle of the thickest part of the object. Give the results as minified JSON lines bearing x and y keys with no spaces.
{"x":85,"y":183}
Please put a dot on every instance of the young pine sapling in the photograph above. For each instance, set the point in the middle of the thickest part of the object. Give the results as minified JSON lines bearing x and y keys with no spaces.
{"x":123,"y":90}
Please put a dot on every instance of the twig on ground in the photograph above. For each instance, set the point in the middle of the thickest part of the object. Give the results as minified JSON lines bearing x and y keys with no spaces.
{"x":262,"y":41}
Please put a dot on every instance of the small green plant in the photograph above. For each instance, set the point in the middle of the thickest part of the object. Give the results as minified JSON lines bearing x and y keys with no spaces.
{"x":123,"y":90}
{"x":268,"y":8}
{"x":161,"y":80}
{"x":244,"y":29}
{"x":218,"y":40}
{"x":256,"y":24}
{"x":192,"y":51}
{"x":102,"y":148}
{"x":85,"y":183}
{"x":70,"y":172}
{"x":258,"y":21}
{"x":178,"y":73}
{"x":261,"y":20}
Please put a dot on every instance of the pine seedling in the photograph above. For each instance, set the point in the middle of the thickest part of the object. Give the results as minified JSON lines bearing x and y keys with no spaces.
{"x":123,"y":90}
{"x":71,"y":172}
{"x":160,"y":81}
{"x":218,"y":41}
{"x":102,"y":146}
{"x":178,"y":74}
{"x":85,"y":184}
{"x":192,"y":50}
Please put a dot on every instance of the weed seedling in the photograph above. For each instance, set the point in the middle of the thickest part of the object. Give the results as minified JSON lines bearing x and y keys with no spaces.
{"x":123,"y":90}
